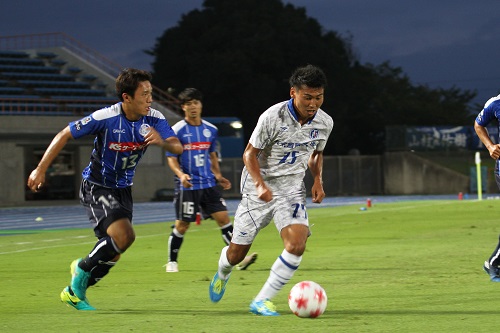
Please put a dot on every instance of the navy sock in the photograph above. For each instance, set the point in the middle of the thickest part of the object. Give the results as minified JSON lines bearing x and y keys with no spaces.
{"x":227,"y":233}
{"x":99,"y":271}
{"x":104,"y":250}
{"x":174,"y":245}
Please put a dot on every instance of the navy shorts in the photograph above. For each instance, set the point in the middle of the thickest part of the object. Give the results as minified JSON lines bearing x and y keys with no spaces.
{"x":189,"y":202}
{"x":105,"y":205}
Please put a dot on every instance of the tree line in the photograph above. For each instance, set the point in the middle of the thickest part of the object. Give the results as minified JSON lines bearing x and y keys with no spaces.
{"x":240,"y":54}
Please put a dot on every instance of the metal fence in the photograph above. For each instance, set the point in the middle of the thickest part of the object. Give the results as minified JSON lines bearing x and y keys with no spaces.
{"x":342,"y":175}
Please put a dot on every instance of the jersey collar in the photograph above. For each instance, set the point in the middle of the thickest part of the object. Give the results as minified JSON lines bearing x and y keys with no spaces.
{"x":291,"y":108}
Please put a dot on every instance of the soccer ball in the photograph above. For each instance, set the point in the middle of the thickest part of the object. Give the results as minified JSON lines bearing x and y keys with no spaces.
{"x":307,"y":299}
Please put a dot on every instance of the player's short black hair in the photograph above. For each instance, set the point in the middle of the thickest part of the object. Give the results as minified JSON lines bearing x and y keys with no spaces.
{"x":128,"y":80}
{"x":189,"y":94}
{"x":310,"y":76}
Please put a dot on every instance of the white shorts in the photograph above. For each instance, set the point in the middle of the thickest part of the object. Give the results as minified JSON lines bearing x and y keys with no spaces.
{"x":254,"y":214}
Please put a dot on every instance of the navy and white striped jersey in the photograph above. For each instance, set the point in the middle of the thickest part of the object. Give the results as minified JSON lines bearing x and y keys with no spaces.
{"x":118,"y":145}
{"x":285,"y":148}
{"x":198,"y":142}
{"x":490,"y":112}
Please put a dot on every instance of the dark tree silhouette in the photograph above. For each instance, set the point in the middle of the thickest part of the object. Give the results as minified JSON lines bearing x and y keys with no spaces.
{"x":241,"y":53}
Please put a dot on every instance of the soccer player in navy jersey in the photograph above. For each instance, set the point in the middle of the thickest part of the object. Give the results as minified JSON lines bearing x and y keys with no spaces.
{"x":197,"y":174}
{"x":122,"y":133}
{"x":289,"y":137}
{"x":491,"y":111}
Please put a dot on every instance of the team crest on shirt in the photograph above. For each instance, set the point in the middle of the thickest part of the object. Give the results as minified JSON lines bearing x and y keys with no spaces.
{"x":314,"y":134}
{"x":82,"y":122}
{"x":144,"y":129}
{"x":86,"y":120}
{"x":207,"y":133}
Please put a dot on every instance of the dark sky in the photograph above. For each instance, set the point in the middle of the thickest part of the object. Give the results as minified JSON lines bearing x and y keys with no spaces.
{"x":438,"y":43}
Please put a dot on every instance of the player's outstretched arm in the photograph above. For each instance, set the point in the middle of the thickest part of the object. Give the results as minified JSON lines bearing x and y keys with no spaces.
{"x":315,"y":164}
{"x":37,"y":176}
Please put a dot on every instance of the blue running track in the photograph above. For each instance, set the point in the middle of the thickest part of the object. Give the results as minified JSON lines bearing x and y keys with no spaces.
{"x":74,"y":216}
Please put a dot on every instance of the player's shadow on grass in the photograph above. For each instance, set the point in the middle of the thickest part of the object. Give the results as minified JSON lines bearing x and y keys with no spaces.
{"x":183,"y":312}
{"x":413,"y":312}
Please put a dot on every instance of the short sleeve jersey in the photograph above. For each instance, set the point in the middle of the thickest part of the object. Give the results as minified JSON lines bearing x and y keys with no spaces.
{"x":198,"y":142}
{"x":118,"y":144}
{"x":491,"y":111}
{"x":286,"y":147}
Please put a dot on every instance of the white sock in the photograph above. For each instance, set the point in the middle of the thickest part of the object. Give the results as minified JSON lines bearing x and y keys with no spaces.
{"x":281,"y":272}
{"x":225,"y":268}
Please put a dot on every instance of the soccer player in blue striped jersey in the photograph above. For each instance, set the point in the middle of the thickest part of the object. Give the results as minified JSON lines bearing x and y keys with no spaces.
{"x":122,"y":133}
{"x":289,"y":137}
{"x":197,"y":174}
{"x":491,"y":112}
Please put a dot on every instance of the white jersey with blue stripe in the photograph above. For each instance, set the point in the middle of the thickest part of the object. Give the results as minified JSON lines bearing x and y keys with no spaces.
{"x":198,"y":142}
{"x":285,"y":148}
{"x":118,"y":145}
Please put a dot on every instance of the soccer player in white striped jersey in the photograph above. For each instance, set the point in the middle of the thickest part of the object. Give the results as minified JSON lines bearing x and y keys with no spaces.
{"x":289,"y":137}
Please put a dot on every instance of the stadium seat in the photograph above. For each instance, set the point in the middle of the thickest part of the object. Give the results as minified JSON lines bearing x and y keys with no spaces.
{"x":57,"y":62}
{"x":43,"y":84}
{"x":13,"y":54}
{"x":28,"y":68}
{"x":54,"y":84}
{"x":11,"y":90}
{"x":36,"y":76}
{"x":46,"y":55}
{"x":73,"y":70}
{"x":21,"y":61}
{"x":68,"y":92}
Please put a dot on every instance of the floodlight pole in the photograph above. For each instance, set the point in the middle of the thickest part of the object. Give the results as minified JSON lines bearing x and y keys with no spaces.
{"x":478,"y":174}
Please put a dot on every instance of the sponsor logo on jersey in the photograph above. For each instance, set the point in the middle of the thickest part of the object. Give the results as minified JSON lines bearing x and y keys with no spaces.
{"x":82,"y":122}
{"x":126,"y":146}
{"x":292,"y":145}
{"x":314,"y":134}
{"x":480,"y":116}
{"x":283,"y":128}
{"x":117,"y":130}
{"x":144,"y":129}
{"x":197,"y":146}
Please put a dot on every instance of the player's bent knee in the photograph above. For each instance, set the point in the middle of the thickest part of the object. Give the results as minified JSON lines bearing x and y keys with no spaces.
{"x":182,"y":227}
{"x":296,"y":249}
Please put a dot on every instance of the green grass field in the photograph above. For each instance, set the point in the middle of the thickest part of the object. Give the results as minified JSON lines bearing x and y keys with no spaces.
{"x":403,"y":267}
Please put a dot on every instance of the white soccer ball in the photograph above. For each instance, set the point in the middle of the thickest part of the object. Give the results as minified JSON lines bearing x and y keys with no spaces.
{"x":307,"y":299}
